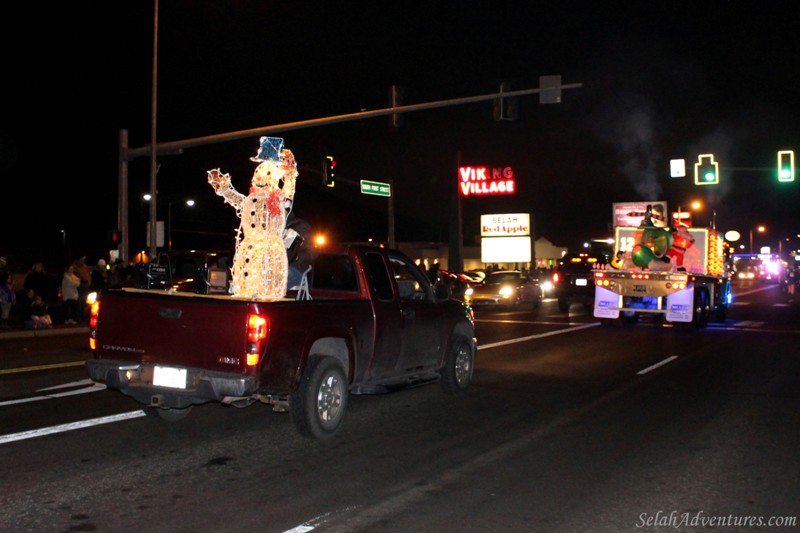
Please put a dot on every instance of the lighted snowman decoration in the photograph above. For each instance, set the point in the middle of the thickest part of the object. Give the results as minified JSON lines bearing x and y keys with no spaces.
{"x":260,"y":268}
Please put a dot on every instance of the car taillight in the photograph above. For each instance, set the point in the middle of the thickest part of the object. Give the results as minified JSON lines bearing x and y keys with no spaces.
{"x":257,"y":329}
{"x":556,"y":277}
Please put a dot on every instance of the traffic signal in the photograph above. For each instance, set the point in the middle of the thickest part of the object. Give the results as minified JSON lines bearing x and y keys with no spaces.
{"x":328,"y":175}
{"x":114,"y":236}
{"x":706,"y":170}
{"x":505,"y":107}
{"x":786,"y":165}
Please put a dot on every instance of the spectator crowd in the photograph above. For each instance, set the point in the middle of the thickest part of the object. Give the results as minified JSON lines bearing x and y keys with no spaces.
{"x":38,"y":299}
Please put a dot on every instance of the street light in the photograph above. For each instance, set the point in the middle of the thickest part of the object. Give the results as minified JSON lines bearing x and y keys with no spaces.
{"x":189,"y":203}
{"x":679,"y":217}
{"x":760,"y":229}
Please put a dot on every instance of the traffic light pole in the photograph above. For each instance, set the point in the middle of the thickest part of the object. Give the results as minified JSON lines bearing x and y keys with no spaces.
{"x":155,"y":150}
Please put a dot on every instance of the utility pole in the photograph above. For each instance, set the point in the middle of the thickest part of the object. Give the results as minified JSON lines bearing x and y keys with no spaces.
{"x":455,"y":259}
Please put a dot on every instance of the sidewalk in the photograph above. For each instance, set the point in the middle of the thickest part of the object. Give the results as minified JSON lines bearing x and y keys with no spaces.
{"x":60,"y":329}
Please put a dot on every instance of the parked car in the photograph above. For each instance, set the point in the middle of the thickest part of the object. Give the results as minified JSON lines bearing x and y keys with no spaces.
{"x":573,"y":279}
{"x":505,"y":288}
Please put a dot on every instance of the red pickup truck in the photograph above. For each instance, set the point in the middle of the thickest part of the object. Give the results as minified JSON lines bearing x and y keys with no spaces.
{"x":373,"y":323}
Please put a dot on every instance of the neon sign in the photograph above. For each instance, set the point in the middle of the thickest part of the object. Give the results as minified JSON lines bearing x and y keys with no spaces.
{"x":483,"y":181}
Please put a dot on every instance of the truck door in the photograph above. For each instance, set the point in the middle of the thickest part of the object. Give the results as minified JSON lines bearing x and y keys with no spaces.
{"x":422,"y":321}
{"x":407,"y":320}
{"x":389,"y":338}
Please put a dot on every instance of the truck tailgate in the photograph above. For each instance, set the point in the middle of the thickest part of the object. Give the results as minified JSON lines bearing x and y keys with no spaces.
{"x":182,"y":330}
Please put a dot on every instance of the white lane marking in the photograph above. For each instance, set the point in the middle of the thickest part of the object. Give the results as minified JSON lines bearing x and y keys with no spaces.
{"x":536,"y":322}
{"x":749,"y":323}
{"x":94,"y":387}
{"x":537,"y":336}
{"x":12,"y":437}
{"x":751,"y":291}
{"x":86,"y":381}
{"x":660,"y":363}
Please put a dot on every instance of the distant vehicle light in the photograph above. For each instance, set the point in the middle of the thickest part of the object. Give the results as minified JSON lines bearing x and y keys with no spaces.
{"x":547,"y":286}
{"x":506,"y":291}
{"x":469,"y":291}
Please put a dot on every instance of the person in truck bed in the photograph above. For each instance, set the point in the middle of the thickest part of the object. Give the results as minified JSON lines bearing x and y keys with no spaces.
{"x":300,"y":249}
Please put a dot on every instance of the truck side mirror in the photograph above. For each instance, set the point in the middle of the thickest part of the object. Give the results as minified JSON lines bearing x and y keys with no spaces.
{"x":441,"y":291}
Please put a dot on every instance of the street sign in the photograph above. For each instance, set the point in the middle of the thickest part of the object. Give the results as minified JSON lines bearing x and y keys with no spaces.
{"x":375,"y":187}
{"x":677,"y":168}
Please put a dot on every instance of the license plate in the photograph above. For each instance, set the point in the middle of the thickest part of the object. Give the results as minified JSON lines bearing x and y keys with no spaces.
{"x":165,"y":376}
{"x":581,"y":282}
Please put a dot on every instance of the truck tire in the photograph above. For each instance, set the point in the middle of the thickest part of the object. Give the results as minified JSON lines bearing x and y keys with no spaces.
{"x":456,"y":374}
{"x":318,"y":405}
{"x":168,"y":415}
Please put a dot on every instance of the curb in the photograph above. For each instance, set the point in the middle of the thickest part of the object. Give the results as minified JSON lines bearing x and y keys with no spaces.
{"x":50,"y":332}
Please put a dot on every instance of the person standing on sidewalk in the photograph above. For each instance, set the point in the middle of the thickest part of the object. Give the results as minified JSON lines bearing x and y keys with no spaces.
{"x":81,"y":269}
{"x":7,"y":298}
{"x":38,"y":280}
{"x":70,"y":284}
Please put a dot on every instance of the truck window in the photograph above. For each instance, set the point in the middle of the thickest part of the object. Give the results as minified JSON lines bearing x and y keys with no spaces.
{"x":411,"y":283}
{"x":379,"y":277}
{"x":334,"y":272}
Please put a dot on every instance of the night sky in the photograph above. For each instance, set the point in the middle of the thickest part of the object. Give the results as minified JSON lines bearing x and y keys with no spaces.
{"x":661,"y":80}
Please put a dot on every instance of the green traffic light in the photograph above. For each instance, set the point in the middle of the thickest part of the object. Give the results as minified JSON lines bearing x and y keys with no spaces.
{"x":786,"y":165}
{"x":706,"y":170}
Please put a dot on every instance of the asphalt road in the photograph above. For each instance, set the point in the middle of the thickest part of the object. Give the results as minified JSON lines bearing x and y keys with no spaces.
{"x":568,"y":427}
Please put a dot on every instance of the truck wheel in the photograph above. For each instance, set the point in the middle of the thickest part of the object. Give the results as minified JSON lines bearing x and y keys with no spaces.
{"x":457,"y":371}
{"x":168,"y":415}
{"x":319,"y":403}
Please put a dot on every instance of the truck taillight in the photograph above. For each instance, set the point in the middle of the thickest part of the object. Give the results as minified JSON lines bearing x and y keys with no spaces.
{"x":94,"y":311}
{"x":257,"y":326}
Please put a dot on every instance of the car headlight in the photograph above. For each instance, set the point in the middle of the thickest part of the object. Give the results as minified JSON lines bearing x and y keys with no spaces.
{"x":468,"y":292}
{"x":505,"y":292}
{"x":547,"y":286}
